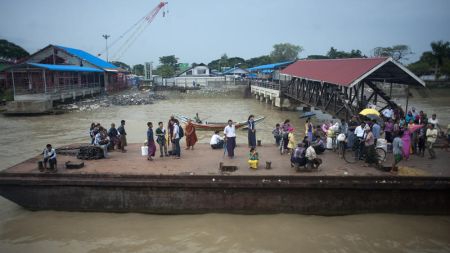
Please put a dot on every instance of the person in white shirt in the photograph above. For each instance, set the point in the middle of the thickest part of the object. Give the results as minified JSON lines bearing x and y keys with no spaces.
{"x":101,"y":140}
{"x":388,"y":112}
{"x":176,"y":138}
{"x":230,"y":138}
{"x":359,"y":132}
{"x":311,"y":157}
{"x":431,"y":135}
{"x":50,"y":157}
{"x":434,"y":121}
{"x":216,"y":141}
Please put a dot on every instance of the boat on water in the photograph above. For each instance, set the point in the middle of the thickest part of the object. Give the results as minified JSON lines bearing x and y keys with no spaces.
{"x":307,"y":115}
{"x":213,"y":126}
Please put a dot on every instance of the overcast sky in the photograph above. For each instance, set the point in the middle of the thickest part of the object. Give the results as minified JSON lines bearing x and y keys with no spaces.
{"x":203,"y":30}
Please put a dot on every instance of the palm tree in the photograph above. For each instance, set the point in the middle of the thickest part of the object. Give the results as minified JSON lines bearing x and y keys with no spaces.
{"x":441,"y":50}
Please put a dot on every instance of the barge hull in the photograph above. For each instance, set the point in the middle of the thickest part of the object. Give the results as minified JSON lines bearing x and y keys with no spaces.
{"x":231,"y":194}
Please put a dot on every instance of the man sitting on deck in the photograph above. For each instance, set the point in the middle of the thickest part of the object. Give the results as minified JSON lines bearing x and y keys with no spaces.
{"x":101,"y":140}
{"x":216,"y":141}
{"x":50,"y":157}
{"x":311,"y":158}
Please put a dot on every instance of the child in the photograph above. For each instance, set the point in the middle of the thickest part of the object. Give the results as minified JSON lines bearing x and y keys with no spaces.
{"x":291,"y":140}
{"x":277,"y":134}
{"x":253,"y":159}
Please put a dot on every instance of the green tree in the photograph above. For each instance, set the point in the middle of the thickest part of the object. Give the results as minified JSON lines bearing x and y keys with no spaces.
{"x":285,"y":52}
{"x":441,"y":52}
{"x":169,"y":60}
{"x":11,"y":51}
{"x":397,"y":52}
{"x":138,"y":69}
{"x":333,"y":53}
{"x":165,"y":71}
{"x":122,"y":65}
{"x":317,"y":56}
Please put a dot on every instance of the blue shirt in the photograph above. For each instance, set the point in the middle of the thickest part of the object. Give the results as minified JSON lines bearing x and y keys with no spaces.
{"x":376,"y":129}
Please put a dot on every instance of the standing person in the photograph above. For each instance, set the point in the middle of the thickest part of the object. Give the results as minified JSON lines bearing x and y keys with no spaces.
{"x":291,"y":142}
{"x":230,"y":138}
{"x":388,"y":129}
{"x":191,"y":135}
{"x":251,"y":131}
{"x":170,"y":129}
{"x":123,"y":136}
{"x":277,"y":134}
{"x":351,"y":132}
{"x":360,"y":136}
{"x":150,"y":142}
{"x":309,"y":130}
{"x":431,"y":139}
{"x":161,"y":139}
{"x":406,"y":138}
{"x":197,"y":119}
{"x":369,"y":144}
{"x":434,"y":121}
{"x":114,"y":136}
{"x":216,"y":141}
{"x":91,"y":132}
{"x":50,"y":157}
{"x":286,"y":126}
{"x":376,"y":130}
{"x":176,"y":138}
{"x":397,"y":150}
{"x":421,"y":140}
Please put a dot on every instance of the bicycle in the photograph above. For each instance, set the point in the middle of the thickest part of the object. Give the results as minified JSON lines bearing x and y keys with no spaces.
{"x":281,"y":147}
{"x":354,"y":156}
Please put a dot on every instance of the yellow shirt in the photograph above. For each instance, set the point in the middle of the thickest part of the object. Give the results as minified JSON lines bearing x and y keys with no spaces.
{"x":291,"y":143}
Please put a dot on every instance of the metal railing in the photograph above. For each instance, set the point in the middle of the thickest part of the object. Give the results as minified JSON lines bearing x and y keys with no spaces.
{"x":266,"y":84}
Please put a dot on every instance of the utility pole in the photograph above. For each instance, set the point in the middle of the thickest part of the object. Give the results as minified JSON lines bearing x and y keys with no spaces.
{"x":106,"y":36}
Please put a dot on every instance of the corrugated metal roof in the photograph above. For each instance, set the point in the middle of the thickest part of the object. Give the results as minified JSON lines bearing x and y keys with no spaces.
{"x":65,"y":67}
{"x":270,"y":66}
{"x":88,"y":57}
{"x":336,"y":71}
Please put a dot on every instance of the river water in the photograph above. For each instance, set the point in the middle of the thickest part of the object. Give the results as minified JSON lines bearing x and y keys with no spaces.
{"x":48,"y":231}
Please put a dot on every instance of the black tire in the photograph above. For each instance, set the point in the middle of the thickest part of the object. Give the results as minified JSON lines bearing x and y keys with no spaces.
{"x":351,"y":156}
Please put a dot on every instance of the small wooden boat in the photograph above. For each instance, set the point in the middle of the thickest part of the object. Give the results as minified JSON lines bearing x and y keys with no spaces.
{"x":214,"y":126}
{"x":307,"y":114}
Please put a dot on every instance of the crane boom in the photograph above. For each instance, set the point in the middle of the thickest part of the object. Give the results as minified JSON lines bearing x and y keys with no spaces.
{"x":136,"y":30}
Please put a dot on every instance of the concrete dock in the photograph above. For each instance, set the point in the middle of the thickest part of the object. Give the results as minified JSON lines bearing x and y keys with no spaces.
{"x":127,"y":182}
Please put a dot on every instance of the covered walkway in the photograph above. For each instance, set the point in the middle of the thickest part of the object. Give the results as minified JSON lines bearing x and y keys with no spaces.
{"x":342,"y":87}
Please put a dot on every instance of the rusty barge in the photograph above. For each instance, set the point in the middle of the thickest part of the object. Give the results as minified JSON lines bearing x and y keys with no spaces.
{"x":127,"y":182}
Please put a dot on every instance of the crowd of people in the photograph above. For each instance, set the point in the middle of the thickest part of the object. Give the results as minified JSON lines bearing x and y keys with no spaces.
{"x":405,"y":134}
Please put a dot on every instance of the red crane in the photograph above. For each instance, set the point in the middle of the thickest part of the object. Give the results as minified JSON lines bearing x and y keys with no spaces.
{"x":135,"y":31}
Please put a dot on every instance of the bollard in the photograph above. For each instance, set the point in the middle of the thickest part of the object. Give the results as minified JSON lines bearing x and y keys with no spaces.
{"x":268,"y":165}
{"x":259,"y":143}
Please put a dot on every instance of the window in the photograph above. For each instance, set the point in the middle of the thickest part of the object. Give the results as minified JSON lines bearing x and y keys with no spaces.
{"x":201,"y":71}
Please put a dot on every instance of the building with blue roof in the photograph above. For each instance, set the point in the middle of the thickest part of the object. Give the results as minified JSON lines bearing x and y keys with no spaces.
{"x":58,"y":72}
{"x":56,"y":69}
{"x":268,"y":71}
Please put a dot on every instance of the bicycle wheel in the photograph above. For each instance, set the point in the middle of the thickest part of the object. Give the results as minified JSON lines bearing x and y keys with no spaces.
{"x":351,"y":156}
{"x":381,"y":154}
{"x":281,"y":147}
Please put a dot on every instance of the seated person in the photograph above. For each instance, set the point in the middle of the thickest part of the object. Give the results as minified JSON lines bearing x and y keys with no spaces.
{"x":318,"y":145}
{"x":253,"y":159}
{"x":113,"y":137}
{"x":298,"y":156}
{"x":311,"y":158}
{"x":101,"y":140}
{"x":216,"y":141}
{"x":50,"y":157}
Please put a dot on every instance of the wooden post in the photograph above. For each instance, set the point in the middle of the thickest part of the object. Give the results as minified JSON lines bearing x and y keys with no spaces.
{"x":45,"y":81}
{"x":390,"y":91}
{"x":14,"y":84}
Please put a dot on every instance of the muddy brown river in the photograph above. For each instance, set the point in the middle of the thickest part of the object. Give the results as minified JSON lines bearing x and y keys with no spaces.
{"x":47,"y":231}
